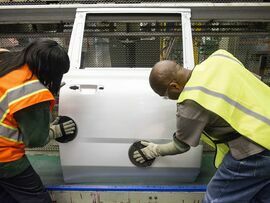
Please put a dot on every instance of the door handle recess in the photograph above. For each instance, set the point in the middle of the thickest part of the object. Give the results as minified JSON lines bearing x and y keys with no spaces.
{"x":87,"y":89}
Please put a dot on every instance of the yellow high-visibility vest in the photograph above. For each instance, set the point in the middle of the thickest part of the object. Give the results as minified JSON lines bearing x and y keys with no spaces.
{"x":221,"y":84}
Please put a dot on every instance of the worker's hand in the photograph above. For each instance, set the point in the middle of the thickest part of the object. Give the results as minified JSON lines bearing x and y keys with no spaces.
{"x":151,"y":151}
{"x":59,"y":129}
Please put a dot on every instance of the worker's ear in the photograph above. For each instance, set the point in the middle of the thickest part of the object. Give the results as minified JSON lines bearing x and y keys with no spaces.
{"x":174,"y":85}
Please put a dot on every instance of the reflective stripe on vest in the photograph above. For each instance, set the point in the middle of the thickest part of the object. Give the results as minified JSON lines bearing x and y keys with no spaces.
{"x":231,"y":102}
{"x":11,"y":97}
{"x":222,"y":85}
{"x":20,"y":94}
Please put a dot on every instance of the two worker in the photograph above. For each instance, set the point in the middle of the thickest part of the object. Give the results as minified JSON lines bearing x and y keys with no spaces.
{"x":225,"y":105}
{"x":28,"y":80}
{"x":219,"y":101}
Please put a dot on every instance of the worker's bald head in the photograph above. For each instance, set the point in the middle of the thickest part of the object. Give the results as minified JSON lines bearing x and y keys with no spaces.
{"x":162,"y":74}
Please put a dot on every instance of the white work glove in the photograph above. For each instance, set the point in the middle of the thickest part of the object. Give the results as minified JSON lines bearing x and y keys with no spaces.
{"x":56,"y":131}
{"x":151,"y":151}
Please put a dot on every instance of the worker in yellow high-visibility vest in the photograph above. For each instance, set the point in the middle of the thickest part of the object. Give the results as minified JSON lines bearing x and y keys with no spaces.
{"x":225,"y":105}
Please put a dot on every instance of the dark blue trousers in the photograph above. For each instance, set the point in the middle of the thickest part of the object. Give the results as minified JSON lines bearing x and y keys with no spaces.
{"x":23,"y":188}
{"x":241,"y":181}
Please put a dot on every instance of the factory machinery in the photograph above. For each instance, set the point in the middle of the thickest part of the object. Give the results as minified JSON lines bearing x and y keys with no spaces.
{"x":112,"y":47}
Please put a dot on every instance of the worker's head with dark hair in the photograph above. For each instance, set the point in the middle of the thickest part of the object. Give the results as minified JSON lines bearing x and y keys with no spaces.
{"x":48,"y":61}
{"x":45,"y":58}
{"x":167,"y":79}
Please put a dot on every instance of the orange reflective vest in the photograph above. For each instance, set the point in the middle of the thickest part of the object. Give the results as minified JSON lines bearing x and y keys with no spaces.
{"x":18,"y":89}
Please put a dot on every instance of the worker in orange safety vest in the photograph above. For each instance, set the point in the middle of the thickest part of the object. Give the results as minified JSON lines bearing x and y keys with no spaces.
{"x":28,"y":80}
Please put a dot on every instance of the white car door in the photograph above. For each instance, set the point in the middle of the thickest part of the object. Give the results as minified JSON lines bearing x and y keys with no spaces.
{"x":115,"y":106}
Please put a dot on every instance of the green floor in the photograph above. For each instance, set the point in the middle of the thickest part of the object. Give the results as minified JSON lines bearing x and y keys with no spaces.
{"x":49,"y":168}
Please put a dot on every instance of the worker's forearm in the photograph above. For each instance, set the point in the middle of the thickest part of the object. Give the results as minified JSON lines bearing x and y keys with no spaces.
{"x":41,"y":141}
{"x":172,"y":149}
{"x":34,"y":124}
{"x":36,"y":137}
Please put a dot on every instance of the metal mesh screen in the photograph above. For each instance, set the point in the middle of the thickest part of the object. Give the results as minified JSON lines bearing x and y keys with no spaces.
{"x":130,"y":42}
{"x":141,"y":44}
{"x":16,"y":36}
{"x":249,"y":42}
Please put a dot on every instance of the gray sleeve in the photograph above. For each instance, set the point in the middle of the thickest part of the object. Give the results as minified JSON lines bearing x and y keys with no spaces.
{"x":191,"y":121}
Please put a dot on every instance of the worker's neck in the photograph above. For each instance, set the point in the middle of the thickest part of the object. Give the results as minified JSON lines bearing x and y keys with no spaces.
{"x":185,"y":75}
